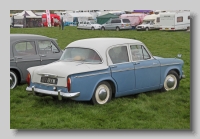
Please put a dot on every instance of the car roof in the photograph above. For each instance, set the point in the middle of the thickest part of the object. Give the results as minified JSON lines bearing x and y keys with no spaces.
{"x":14,"y":37}
{"x":101,"y":45}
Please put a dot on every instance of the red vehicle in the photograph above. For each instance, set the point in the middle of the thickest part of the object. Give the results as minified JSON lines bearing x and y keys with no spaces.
{"x":55,"y":20}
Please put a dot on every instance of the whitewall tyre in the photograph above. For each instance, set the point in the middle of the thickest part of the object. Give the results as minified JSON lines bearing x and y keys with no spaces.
{"x":13,"y":79}
{"x":102,"y":93}
{"x":171,"y":81}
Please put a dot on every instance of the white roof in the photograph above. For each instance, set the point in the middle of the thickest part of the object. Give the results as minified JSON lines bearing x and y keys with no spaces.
{"x":30,"y":13}
{"x":84,"y":14}
{"x":102,"y":44}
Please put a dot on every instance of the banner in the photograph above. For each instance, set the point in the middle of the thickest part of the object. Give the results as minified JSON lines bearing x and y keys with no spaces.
{"x":48,"y":18}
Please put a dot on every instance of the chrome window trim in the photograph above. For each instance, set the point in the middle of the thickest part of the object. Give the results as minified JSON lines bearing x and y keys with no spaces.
{"x":91,"y":74}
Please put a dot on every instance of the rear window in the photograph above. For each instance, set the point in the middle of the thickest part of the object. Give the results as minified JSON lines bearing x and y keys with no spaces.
{"x":126,"y":20}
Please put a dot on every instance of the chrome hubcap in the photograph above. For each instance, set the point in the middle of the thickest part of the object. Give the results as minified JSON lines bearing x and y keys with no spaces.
{"x":102,"y":94}
{"x":170,"y":82}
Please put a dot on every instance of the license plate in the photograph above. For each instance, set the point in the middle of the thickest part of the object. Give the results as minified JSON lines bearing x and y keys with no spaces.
{"x":127,"y":24}
{"x":166,"y":28}
{"x":49,"y":80}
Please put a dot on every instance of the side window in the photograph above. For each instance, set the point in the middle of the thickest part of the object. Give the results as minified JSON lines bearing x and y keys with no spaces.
{"x":46,"y":47}
{"x":189,"y":17}
{"x":180,"y":19}
{"x":112,"y":21}
{"x":139,"y":53}
{"x":118,"y":54}
{"x":24,"y":48}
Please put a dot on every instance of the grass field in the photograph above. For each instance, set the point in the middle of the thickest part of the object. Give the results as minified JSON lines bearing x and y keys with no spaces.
{"x":150,"y":110}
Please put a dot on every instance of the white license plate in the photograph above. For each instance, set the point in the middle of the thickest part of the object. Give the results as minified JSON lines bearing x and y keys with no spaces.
{"x":49,"y":80}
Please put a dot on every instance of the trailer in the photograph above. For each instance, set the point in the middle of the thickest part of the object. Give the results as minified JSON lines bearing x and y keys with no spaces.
{"x":177,"y":20}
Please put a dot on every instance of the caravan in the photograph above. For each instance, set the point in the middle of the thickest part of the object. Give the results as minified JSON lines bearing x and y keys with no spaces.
{"x":150,"y":22}
{"x":178,"y":20}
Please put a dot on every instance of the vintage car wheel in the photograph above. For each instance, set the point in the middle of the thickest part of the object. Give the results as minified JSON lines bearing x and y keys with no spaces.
{"x":117,"y":29}
{"x":102,"y":28}
{"x":92,"y":28}
{"x":171,"y":81}
{"x":13,"y":79}
{"x":102,"y":93}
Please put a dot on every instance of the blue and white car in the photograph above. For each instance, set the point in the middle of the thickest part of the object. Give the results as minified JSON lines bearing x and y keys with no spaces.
{"x":98,"y":69}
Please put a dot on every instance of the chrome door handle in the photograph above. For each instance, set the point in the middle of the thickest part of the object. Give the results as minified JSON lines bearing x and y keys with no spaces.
{"x":114,"y":66}
{"x":136,"y":63}
{"x":19,"y":57}
{"x":42,"y":55}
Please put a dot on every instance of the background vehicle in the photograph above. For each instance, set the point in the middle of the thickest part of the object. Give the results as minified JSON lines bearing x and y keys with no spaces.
{"x":92,"y":25}
{"x":27,"y":50}
{"x":177,"y":20}
{"x":117,"y":24}
{"x":150,"y":22}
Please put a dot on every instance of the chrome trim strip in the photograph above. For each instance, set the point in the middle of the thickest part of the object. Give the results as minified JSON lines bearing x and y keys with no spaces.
{"x":146,"y":67}
{"x":91,"y":74}
{"x":55,"y":93}
{"x":50,"y":75}
{"x":169,"y":64}
{"x":123,"y":70}
{"x":27,"y":60}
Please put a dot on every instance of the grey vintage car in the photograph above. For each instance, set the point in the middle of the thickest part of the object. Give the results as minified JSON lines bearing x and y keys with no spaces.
{"x":28,"y":50}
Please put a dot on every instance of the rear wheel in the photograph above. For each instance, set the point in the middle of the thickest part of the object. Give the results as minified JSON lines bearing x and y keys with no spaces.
{"x":92,"y":28}
{"x":171,"y":81}
{"x":102,"y":93}
{"x":117,"y":29}
{"x":13,"y":79}
{"x":102,"y":28}
{"x":147,"y":29}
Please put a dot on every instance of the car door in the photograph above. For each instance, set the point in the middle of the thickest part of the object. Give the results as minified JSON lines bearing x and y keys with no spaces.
{"x":48,"y":51}
{"x":107,"y":25}
{"x":25,"y":56}
{"x":147,"y":69}
{"x":122,"y":70}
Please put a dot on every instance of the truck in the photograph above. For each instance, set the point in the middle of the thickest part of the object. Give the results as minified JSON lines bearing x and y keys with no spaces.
{"x":150,"y":22}
{"x":177,"y":20}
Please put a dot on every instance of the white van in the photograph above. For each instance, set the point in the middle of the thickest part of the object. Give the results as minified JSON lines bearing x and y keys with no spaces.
{"x":150,"y":22}
{"x":179,"y":20}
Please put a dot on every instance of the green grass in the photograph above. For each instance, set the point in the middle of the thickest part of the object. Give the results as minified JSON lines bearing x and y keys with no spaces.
{"x":150,"y":110}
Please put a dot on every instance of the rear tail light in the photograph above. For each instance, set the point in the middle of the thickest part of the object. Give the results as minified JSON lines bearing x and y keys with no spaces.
{"x":172,"y":28}
{"x":68,"y":84}
{"x":122,"y":25}
{"x":28,"y":79}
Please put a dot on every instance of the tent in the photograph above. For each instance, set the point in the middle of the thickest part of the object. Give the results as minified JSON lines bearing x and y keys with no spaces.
{"x":104,"y":18}
{"x":75,"y":17}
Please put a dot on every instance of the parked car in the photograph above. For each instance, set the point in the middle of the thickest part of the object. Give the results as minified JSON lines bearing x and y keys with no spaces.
{"x":117,"y":24}
{"x":27,"y":50}
{"x":92,"y":25}
{"x":98,"y":69}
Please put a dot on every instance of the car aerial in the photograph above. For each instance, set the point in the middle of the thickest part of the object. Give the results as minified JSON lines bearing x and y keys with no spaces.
{"x":27,"y":50}
{"x":98,"y":69}
{"x":92,"y":25}
{"x":117,"y":24}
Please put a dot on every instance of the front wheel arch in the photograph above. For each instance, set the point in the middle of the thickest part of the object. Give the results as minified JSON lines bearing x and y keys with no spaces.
{"x":171,"y":81}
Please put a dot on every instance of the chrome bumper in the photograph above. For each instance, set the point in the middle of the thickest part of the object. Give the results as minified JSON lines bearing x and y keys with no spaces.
{"x":52,"y":93}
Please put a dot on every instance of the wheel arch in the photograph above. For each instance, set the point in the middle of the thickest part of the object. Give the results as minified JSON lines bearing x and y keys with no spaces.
{"x":112,"y":84}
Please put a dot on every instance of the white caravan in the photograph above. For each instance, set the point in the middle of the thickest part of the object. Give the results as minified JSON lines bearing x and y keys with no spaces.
{"x":150,"y":22}
{"x":179,"y":20}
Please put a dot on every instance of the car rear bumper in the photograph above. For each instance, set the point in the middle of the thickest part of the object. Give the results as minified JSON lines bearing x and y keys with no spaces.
{"x":58,"y":93}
